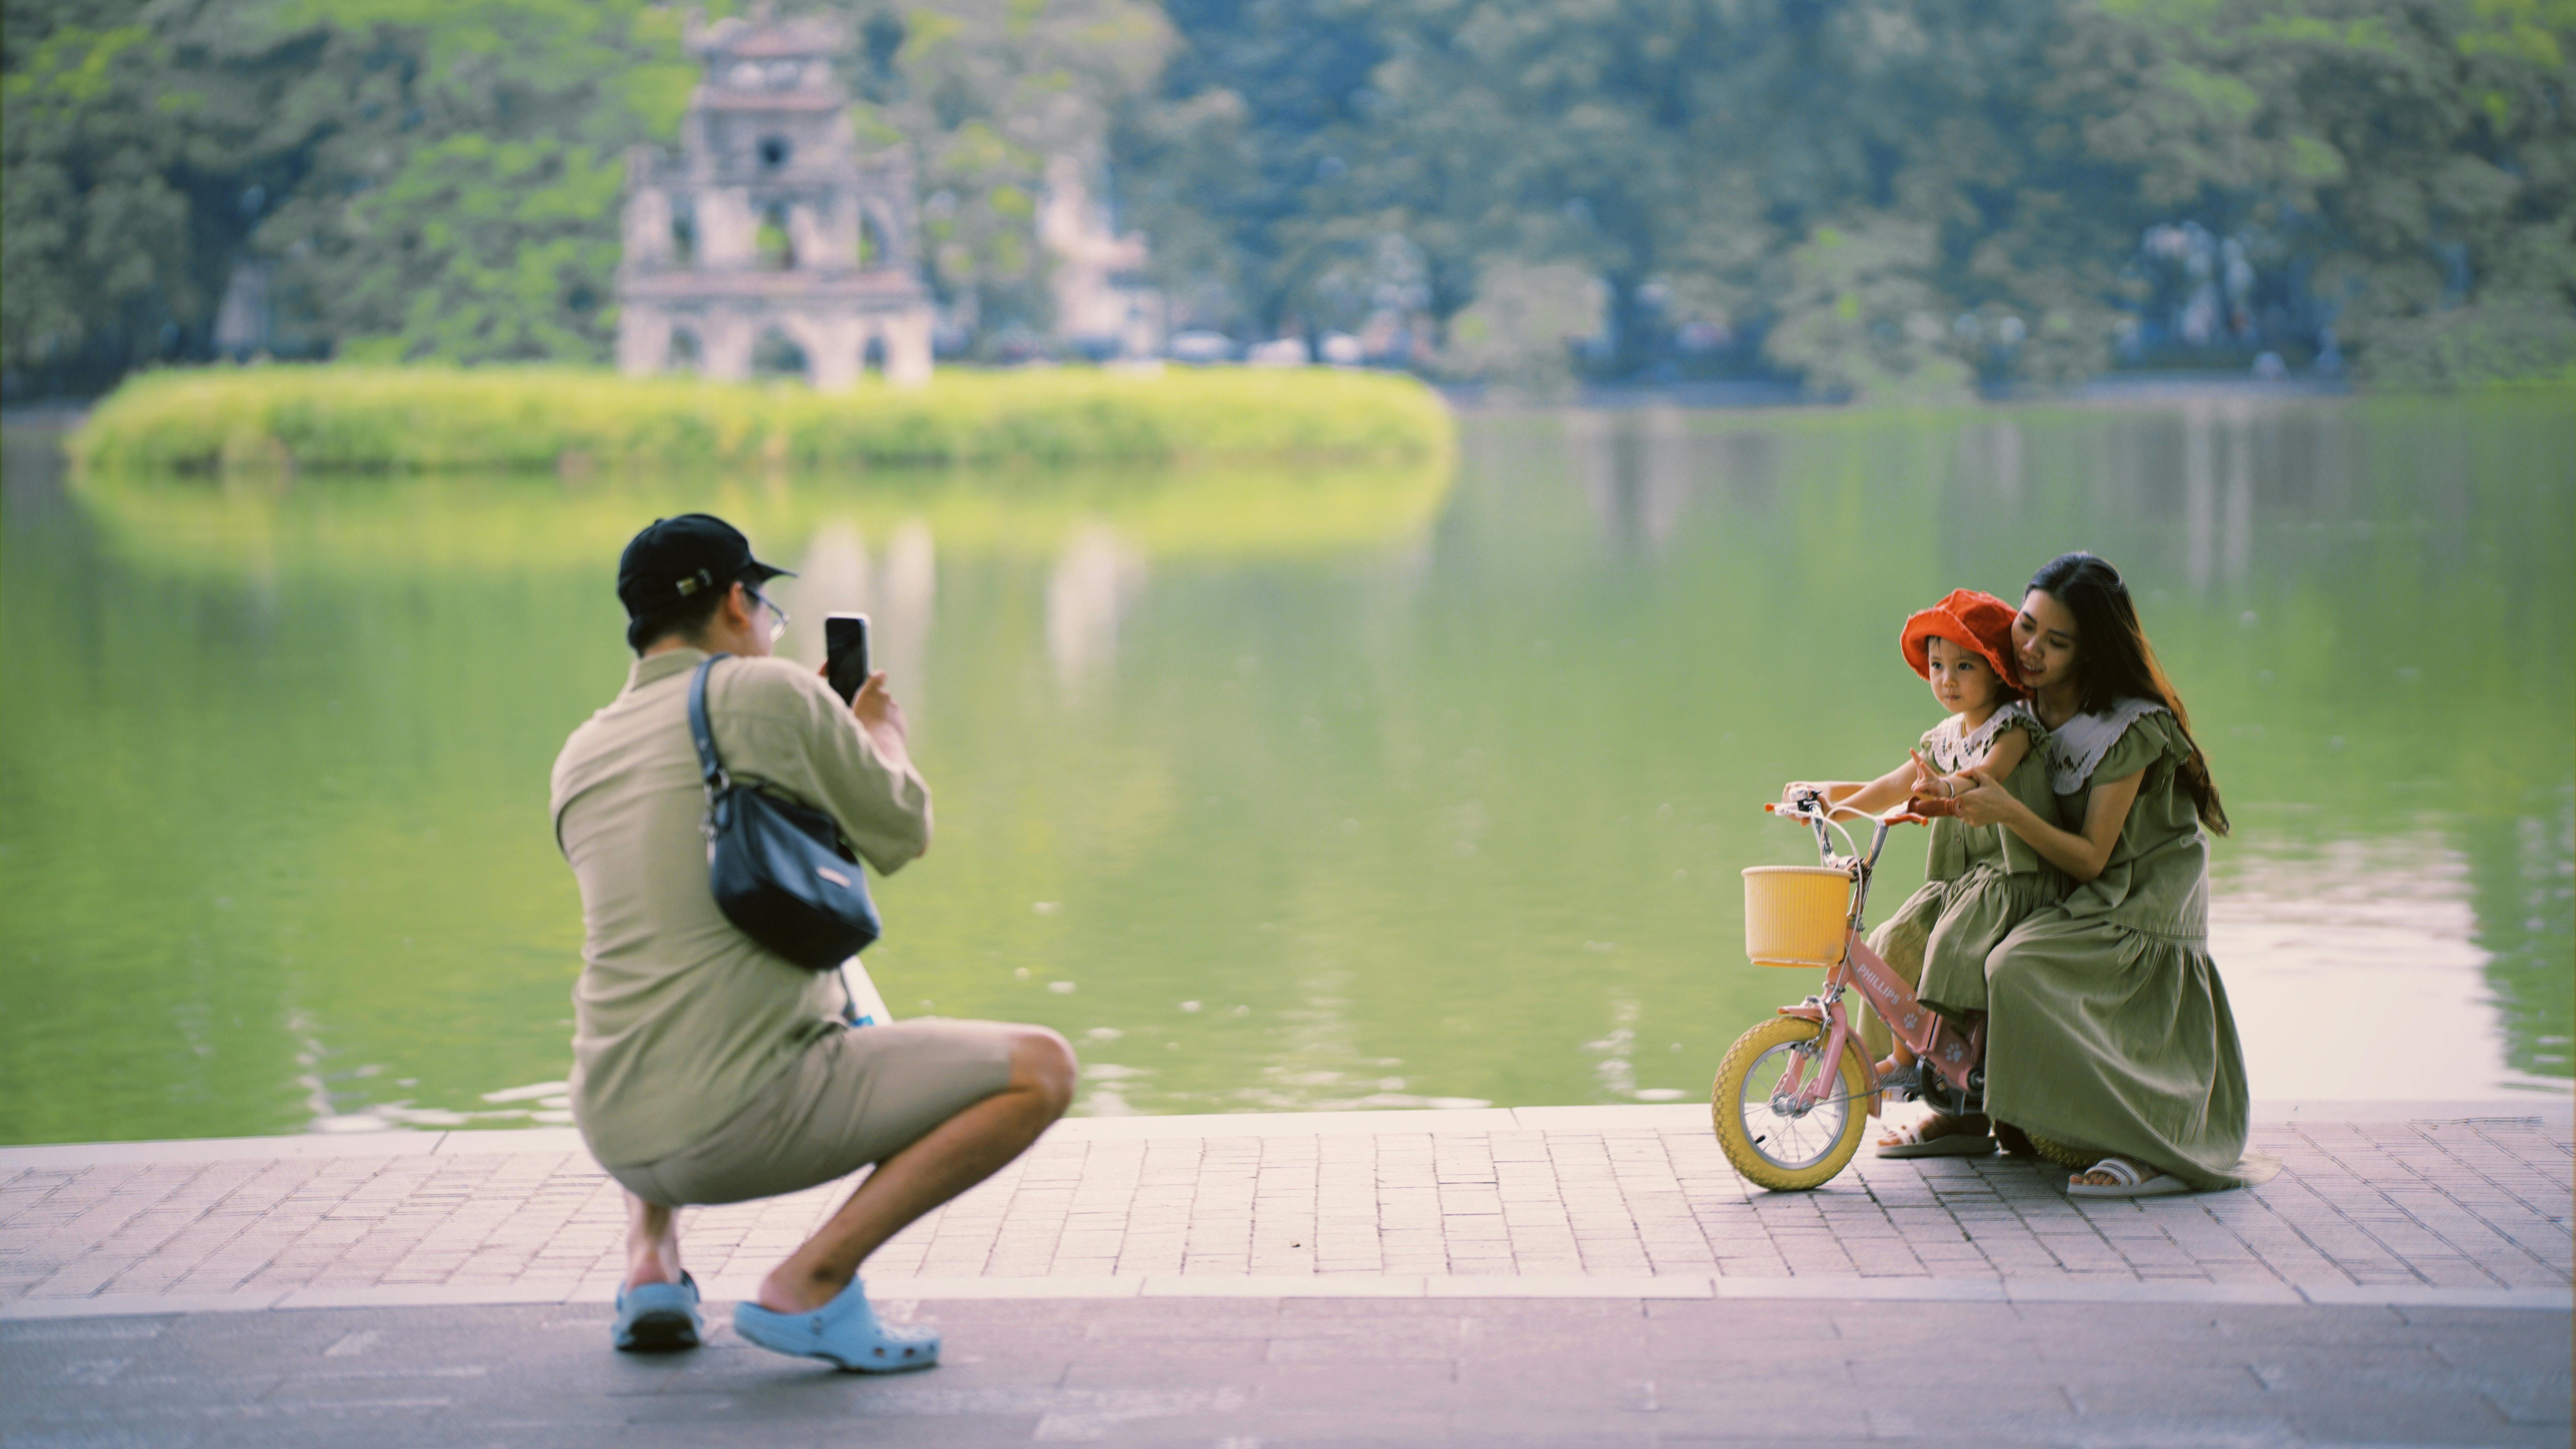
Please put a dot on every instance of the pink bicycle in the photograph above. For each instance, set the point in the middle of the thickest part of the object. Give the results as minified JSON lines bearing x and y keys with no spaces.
{"x":1786,"y":1092}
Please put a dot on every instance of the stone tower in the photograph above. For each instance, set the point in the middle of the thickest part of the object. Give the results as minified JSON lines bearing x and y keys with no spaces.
{"x":771,"y":226}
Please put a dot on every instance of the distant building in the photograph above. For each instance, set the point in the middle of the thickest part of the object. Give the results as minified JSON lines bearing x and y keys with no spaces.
{"x":1100,"y":306}
{"x":242,"y":318}
{"x":772,"y":237}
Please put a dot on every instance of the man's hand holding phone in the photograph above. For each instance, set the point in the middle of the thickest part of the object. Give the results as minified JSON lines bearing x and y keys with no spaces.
{"x":877,"y":709}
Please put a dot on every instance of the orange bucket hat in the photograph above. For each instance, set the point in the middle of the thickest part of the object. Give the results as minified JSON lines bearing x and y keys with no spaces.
{"x":1971,"y":620}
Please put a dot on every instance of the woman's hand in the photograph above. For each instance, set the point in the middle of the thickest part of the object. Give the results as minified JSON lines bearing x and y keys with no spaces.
{"x":2081,"y":856}
{"x":1983,"y":801}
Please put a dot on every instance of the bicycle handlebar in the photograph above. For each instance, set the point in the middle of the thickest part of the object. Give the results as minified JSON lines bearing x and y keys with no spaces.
{"x":1912,"y":812}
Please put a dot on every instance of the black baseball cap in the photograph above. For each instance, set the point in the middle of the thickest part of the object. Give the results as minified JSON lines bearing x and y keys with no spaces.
{"x":676,"y":559}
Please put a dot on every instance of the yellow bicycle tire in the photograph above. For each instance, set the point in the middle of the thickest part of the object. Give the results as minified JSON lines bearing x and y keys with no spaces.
{"x":1735,"y":1138}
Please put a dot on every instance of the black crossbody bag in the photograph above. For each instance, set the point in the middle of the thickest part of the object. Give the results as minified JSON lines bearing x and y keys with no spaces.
{"x":780,"y":870}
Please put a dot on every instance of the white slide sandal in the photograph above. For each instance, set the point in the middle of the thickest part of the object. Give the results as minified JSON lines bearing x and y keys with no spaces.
{"x":2128,"y":1182}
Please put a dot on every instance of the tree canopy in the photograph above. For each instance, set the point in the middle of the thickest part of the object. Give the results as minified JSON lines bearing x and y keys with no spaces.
{"x":1890,"y":192}
{"x":1882,"y":197}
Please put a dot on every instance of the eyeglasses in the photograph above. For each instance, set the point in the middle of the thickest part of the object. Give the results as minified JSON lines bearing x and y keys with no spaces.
{"x":777,"y":615}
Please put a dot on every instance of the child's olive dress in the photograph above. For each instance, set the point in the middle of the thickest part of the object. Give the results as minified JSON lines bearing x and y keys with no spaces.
{"x":2109,"y":1028}
{"x":1980,"y":882}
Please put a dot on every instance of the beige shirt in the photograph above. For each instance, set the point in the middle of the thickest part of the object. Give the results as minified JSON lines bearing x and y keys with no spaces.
{"x":679,"y":1019}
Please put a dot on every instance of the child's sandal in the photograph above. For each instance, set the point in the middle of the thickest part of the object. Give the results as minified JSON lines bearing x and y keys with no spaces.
{"x":1910,"y":1140}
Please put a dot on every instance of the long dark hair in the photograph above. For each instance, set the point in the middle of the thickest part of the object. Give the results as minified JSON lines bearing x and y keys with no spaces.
{"x":2114,"y":661}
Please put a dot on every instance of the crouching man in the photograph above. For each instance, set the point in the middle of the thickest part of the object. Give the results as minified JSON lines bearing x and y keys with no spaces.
{"x":706,"y":1068}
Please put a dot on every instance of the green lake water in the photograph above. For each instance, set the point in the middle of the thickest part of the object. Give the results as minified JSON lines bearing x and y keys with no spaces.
{"x":1280,"y":791}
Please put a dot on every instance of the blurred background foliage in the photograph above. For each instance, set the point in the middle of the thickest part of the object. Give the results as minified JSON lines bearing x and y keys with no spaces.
{"x":1860,"y":197}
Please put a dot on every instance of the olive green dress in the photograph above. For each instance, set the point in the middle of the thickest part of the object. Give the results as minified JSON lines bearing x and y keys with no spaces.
{"x":1979,"y":882}
{"x":2109,"y":1028}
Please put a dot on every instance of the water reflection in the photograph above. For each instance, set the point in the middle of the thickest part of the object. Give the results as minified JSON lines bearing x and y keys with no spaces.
{"x":900,"y":598}
{"x":1096,"y":579}
{"x":832,"y":577}
{"x":2354,"y":968}
{"x":1989,"y":462}
{"x":1637,"y":471}
{"x":2217,"y":491}
{"x":1409,"y":792}
{"x":911,"y":603}
{"x":1321,"y":1065}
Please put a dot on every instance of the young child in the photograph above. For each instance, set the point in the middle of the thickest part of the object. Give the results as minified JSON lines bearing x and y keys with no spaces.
{"x":1978,"y":883}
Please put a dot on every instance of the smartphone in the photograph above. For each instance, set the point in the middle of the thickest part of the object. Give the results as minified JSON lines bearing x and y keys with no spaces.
{"x":845,"y":653}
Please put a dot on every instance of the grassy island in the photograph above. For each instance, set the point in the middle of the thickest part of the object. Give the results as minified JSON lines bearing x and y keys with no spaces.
{"x":360,"y":419}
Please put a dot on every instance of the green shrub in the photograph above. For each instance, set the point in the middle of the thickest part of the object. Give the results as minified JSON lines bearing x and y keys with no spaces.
{"x":351,"y":418}
{"x":2522,"y":340}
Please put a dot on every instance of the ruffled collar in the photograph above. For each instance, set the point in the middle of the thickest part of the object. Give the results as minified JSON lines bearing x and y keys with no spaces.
{"x":2076,"y":747}
{"x":1955,"y":749}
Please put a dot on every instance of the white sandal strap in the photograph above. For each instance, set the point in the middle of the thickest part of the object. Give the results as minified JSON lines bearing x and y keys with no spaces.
{"x":2119,"y":1172}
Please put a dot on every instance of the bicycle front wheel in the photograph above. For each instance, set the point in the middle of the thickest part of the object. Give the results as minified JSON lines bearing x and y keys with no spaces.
{"x":1780,"y":1150}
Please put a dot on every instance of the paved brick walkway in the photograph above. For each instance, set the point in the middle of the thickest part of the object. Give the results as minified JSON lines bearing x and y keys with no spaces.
{"x":2468,"y":1205}
{"x":1306,"y":1373}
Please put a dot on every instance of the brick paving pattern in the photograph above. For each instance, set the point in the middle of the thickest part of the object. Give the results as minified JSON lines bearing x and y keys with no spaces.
{"x":1233,"y":1373}
{"x":2468,"y":1204}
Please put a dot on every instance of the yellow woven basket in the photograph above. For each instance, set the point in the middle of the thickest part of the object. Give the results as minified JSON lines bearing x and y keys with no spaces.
{"x":1794,"y":914}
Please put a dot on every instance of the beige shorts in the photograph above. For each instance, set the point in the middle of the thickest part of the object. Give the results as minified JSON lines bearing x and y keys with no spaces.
{"x":855,"y":1097}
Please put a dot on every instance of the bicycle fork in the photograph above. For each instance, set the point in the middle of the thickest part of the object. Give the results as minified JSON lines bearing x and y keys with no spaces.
{"x":1954,"y":1054}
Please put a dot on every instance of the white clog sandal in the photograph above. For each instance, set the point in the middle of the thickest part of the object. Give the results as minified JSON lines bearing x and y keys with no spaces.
{"x":2127,"y":1182}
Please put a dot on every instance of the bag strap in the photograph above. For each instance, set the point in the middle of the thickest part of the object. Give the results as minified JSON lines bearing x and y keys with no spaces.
{"x":709,"y":767}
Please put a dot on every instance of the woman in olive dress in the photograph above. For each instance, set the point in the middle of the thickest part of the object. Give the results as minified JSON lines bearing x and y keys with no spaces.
{"x":2109,"y":1038}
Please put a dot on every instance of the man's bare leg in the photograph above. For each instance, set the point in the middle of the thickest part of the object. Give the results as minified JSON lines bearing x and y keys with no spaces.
{"x":652,"y":1243}
{"x":947,"y":1160}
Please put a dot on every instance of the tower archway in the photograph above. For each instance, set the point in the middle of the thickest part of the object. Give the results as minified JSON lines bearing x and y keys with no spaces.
{"x":778,"y":355}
